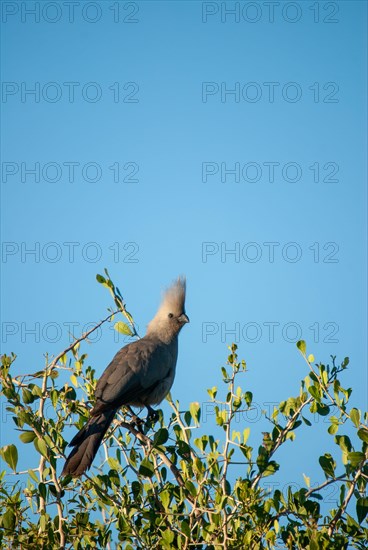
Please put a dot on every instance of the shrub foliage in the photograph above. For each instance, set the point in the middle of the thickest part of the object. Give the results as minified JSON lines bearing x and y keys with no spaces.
{"x":170,"y":484}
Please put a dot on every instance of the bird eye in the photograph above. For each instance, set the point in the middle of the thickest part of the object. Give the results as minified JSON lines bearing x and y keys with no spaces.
{"x":171,"y":315}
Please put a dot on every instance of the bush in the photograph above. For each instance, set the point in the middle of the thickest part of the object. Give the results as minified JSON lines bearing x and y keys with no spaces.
{"x":159,"y":486}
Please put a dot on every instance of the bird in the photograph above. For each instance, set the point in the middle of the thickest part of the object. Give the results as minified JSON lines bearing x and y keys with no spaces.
{"x":140,"y":375}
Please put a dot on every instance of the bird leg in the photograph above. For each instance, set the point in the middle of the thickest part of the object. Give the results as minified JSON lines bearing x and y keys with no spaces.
{"x":135,"y":419}
{"x":152,"y":414}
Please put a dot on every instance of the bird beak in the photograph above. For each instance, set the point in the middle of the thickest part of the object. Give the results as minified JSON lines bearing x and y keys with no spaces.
{"x":184,"y":318}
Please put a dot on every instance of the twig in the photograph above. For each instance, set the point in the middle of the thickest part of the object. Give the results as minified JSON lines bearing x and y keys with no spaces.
{"x":226,"y":461}
{"x":42,"y":507}
{"x":149,"y":443}
{"x":328,"y":482}
{"x":59,"y":505}
{"x":325,"y":388}
{"x":80,"y":339}
{"x":344,"y":505}
{"x":281,"y":437}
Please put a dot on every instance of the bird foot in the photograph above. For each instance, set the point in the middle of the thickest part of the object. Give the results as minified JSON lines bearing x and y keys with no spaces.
{"x":152,"y":416}
{"x":136,"y":420}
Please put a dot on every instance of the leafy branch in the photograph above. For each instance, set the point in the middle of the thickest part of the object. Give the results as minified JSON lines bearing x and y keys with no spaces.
{"x":174,"y":484}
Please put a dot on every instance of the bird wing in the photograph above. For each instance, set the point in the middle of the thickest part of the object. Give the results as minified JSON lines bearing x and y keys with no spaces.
{"x":134,"y":371}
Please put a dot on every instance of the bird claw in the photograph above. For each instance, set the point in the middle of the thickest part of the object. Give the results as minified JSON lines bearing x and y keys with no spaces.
{"x":136,"y":421}
{"x":152,"y":416}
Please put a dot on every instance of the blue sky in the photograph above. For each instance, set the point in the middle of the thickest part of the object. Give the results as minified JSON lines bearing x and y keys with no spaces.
{"x":168,"y":100}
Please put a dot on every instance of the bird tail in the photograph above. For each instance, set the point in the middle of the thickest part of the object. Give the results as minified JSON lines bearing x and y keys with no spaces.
{"x":86,"y":444}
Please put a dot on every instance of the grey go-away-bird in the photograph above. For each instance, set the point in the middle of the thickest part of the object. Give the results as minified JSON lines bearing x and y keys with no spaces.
{"x":140,"y":375}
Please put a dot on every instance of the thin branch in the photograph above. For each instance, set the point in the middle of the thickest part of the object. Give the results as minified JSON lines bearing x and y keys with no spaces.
{"x":54,"y":362}
{"x":149,"y":443}
{"x":42,"y":507}
{"x":60,"y":509}
{"x":225,"y":455}
{"x":325,"y":388}
{"x":185,"y":429}
{"x":281,"y":437}
{"x":344,"y":505}
{"x":81,"y":338}
{"x":328,"y":482}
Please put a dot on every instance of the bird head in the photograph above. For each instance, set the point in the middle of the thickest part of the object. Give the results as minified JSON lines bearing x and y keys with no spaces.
{"x":170,"y":317}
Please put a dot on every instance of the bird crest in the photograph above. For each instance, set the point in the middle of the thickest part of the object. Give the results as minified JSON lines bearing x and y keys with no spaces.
{"x":173,"y":302}
{"x":174,"y":297}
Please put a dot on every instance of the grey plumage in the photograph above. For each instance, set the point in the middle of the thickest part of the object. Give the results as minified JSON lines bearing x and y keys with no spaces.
{"x":141,"y":374}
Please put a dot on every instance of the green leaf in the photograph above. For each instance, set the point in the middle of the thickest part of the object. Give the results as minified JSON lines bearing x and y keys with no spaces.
{"x":328,"y":464}
{"x":43,"y":522}
{"x":315,"y":392}
{"x":195,"y":411}
{"x":41,"y":447}
{"x":345,"y":362}
{"x":74,"y":380}
{"x":333,"y":429}
{"x":136,"y":489}
{"x":33,"y":476}
{"x":307,"y":480}
{"x":27,"y":436}
{"x":146,"y":468}
{"x":248,"y":396}
{"x":168,"y":537}
{"x":191,"y":488}
{"x":363,"y":434}
{"x":271,"y":468}
{"x":344,"y":443}
{"x":224,"y":374}
{"x":123,"y":328}
{"x":221,"y":416}
{"x":165,"y":498}
{"x":27,"y":396}
{"x":161,"y":437}
{"x":324,"y":377}
{"x":36,"y":390}
{"x":302,"y":347}
{"x":246,"y":433}
{"x":185,"y":528}
{"x":212,"y":392}
{"x":355,"y":417}
{"x":322,"y":409}
{"x":113,"y":463}
{"x":10,"y":455}
{"x":356,"y":458}
{"x":100,"y":279}
{"x":8,"y":520}
{"x":362,"y":508}
{"x":235,"y":435}
{"x":42,"y":490}
{"x":54,"y":396}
